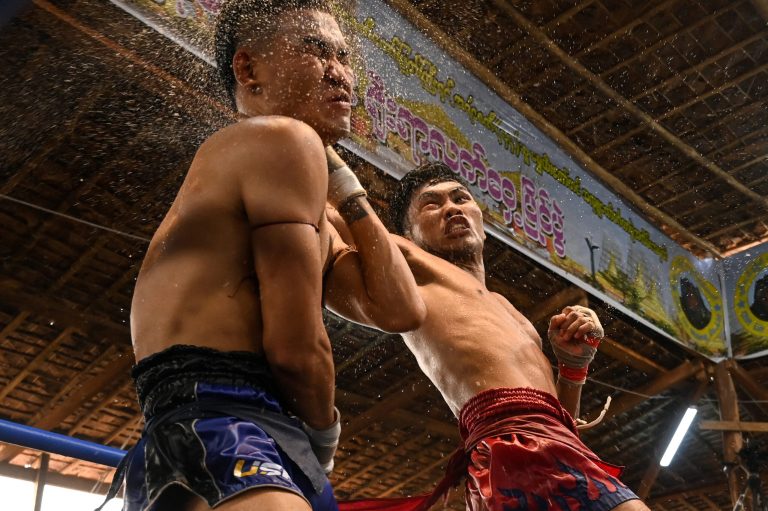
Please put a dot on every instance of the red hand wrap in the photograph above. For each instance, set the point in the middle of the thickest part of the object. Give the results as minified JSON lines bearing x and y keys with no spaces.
{"x":573,"y":374}
{"x":593,"y":341}
{"x":578,"y":375}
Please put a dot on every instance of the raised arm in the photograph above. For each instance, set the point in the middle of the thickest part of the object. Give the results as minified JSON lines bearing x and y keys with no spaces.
{"x":284,"y":199}
{"x":574,"y":335}
{"x":371,"y":284}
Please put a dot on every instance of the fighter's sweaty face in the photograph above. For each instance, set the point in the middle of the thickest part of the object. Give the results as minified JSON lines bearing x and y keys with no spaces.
{"x":444,"y":219}
{"x":306,"y":73}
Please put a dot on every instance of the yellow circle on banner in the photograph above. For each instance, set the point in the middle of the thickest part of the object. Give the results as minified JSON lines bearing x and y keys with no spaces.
{"x":747,"y":318}
{"x":709,"y":336}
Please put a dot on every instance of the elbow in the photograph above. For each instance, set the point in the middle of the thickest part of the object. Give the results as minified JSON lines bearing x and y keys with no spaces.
{"x":404,"y":319}
{"x":288,"y":359}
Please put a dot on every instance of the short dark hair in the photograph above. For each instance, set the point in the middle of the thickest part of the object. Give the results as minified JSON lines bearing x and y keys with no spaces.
{"x":240,"y":20}
{"x":430,"y":173}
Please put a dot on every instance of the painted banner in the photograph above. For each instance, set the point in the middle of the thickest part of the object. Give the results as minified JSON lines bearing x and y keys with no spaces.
{"x":414,"y":104}
{"x":747,"y":286}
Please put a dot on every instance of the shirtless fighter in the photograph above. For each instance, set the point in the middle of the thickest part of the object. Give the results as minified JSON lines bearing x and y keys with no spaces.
{"x":226,"y":317}
{"x":522,"y":450}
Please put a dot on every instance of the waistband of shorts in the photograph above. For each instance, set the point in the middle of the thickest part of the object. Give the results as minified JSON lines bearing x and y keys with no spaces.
{"x":490,"y":407}
{"x":169,"y":378}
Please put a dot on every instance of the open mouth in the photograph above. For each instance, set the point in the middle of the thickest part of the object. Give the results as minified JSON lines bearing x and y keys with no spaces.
{"x":340,"y":97}
{"x":456,"y":225}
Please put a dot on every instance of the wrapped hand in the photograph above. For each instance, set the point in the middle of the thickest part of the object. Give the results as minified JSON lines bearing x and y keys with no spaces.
{"x":575,"y":334}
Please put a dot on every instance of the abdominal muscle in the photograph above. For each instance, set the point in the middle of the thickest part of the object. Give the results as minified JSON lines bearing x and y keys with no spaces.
{"x":477,"y":348}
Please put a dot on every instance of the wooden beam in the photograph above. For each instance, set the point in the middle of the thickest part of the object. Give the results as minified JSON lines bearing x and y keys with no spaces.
{"x":732,"y":440}
{"x":693,"y":154}
{"x":13,"y":294}
{"x":745,"y":380}
{"x":97,"y":408}
{"x":421,"y":473}
{"x":36,"y":361}
{"x":13,"y":325}
{"x":677,"y":77}
{"x":641,"y":18}
{"x":753,"y":427}
{"x":762,"y":8}
{"x":652,"y":472}
{"x":621,"y":353}
{"x":395,"y":400}
{"x":570,"y":295}
{"x":644,"y":52}
{"x":438,"y":427}
{"x":565,"y":15}
{"x":118,"y":368}
{"x":573,"y":149}
{"x":667,"y":380}
{"x":54,"y":478}
{"x":393,"y":454}
{"x":640,"y":114}
{"x":687,"y":493}
{"x":722,"y":149}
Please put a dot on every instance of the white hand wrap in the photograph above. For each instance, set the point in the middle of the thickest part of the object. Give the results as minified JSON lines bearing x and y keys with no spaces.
{"x":325,"y":441}
{"x":342,"y":186}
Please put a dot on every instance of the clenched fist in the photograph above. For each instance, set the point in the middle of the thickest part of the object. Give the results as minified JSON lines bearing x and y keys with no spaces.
{"x":575,"y":334}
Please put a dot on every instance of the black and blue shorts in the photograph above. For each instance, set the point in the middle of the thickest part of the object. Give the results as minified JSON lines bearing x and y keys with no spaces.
{"x":213,"y":456}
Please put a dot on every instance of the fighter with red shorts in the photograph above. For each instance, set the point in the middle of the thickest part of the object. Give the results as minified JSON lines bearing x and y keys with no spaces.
{"x":522,"y":451}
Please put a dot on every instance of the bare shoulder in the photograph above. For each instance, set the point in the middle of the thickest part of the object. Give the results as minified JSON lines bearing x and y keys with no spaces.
{"x":273,"y":166}
{"x":426,"y":268}
{"x":268,"y":144}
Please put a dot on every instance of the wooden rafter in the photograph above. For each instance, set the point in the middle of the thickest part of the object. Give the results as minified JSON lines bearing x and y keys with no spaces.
{"x":762,"y":8}
{"x":36,"y":362}
{"x":688,"y":493}
{"x":434,"y":426}
{"x":698,"y":188}
{"x":90,"y":388}
{"x":667,"y":380}
{"x":570,"y":295}
{"x":90,"y":324}
{"x":98,"y":407}
{"x":720,"y":149}
{"x":508,"y":95}
{"x":406,"y":393}
{"x":729,"y":411}
{"x":646,"y":119}
{"x":54,"y":478}
{"x":565,"y":15}
{"x":392,"y":454}
{"x":621,"y":353}
{"x":653,"y":122}
{"x":677,"y":77}
{"x":616,"y":34}
{"x":124,"y":54}
{"x":419,"y":474}
{"x":744,"y":427}
{"x":87,"y":100}
{"x":735,"y":115}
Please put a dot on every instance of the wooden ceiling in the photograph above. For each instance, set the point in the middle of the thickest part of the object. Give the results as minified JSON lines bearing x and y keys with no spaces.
{"x":101,"y":117}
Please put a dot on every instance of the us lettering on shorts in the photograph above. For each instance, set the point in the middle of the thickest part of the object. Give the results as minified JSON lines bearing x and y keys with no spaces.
{"x":262,"y":468}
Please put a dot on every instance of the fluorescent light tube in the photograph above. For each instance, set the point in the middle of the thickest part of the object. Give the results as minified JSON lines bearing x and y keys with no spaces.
{"x":677,"y":438}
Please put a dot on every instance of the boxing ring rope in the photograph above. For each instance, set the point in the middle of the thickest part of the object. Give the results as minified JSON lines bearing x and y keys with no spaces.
{"x":55,"y":443}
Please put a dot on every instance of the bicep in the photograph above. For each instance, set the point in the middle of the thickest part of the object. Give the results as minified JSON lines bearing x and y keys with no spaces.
{"x":283,"y":178}
{"x":288,"y":265}
{"x":345,"y":292}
